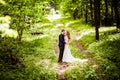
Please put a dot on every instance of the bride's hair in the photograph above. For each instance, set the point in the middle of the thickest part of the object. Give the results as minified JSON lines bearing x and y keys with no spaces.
{"x":68,"y":35}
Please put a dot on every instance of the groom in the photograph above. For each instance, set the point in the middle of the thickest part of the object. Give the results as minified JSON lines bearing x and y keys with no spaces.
{"x":61,"y":45}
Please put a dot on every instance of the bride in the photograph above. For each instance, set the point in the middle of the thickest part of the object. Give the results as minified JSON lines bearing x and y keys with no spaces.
{"x":67,"y":56}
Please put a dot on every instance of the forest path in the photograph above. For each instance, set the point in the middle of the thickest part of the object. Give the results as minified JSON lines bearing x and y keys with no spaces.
{"x":62,"y":67}
{"x":82,"y":49}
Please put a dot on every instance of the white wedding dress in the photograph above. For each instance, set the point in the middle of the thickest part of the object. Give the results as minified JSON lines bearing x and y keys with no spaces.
{"x":67,"y":56}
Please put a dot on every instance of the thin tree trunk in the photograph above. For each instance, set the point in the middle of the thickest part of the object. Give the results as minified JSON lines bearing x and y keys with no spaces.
{"x":117,"y":17}
{"x":112,"y":15}
{"x":106,"y":12}
{"x":75,"y":14}
{"x":97,"y":17}
{"x":91,"y":10}
{"x":86,"y":14}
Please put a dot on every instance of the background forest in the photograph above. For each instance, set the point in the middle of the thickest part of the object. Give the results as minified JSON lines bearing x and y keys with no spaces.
{"x":29,"y":32}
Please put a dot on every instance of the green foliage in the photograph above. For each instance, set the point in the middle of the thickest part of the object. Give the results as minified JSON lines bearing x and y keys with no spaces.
{"x":75,"y":52}
{"x":21,"y":13}
{"x":106,"y":51}
{"x":35,"y":64}
{"x":9,"y":50}
{"x":74,"y":74}
{"x":88,"y":39}
{"x":5,"y":30}
{"x":90,"y":73}
{"x":30,"y":72}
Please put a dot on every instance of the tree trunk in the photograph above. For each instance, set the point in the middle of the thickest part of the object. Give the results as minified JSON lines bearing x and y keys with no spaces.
{"x":86,"y":14}
{"x":20,"y":33}
{"x":112,"y":14}
{"x":106,"y":12}
{"x":97,"y":17}
{"x":75,"y":14}
{"x":117,"y":17}
{"x":91,"y":10}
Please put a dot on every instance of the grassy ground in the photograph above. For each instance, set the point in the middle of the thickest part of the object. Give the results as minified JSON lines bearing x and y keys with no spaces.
{"x":106,"y":51}
{"x":40,"y":62}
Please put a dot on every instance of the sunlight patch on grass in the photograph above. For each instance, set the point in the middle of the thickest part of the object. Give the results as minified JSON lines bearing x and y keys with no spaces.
{"x":46,"y":25}
{"x":32,"y":38}
{"x":102,"y":29}
{"x":106,"y":51}
{"x":5,"y":19}
{"x":10,"y":33}
{"x":44,"y":62}
{"x":43,"y":36}
{"x":59,"y":25}
{"x":4,"y":26}
{"x":3,"y":2}
{"x":71,"y":22}
{"x":36,"y":25}
{"x":53,"y":17}
{"x":47,"y":64}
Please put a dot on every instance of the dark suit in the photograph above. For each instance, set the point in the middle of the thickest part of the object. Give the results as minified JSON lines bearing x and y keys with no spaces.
{"x":61,"y":47}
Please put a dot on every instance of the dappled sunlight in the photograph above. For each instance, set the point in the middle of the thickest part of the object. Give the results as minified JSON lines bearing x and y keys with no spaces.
{"x":102,"y":29}
{"x":46,"y":25}
{"x":5,"y":19}
{"x":36,"y":26}
{"x":3,"y":2}
{"x":32,"y":38}
{"x":95,"y":66}
{"x":10,"y":33}
{"x":54,"y":29}
{"x":79,"y":36}
{"x":5,"y":28}
{"x":4,"y":23}
{"x":53,"y":17}
{"x":59,"y":25}
{"x":67,"y":67}
{"x":43,"y":36}
{"x":71,"y":22}
{"x":82,"y":63}
{"x":47,"y":64}
{"x":83,"y":60}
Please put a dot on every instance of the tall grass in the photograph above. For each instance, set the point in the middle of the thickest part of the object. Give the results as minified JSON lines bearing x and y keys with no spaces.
{"x":106,"y":51}
{"x":38,"y":59}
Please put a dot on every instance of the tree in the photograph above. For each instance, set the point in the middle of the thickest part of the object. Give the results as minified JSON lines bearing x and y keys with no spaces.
{"x":106,"y":12}
{"x":20,"y":10}
{"x":117,"y":17}
{"x":91,"y":10}
{"x":97,"y":17}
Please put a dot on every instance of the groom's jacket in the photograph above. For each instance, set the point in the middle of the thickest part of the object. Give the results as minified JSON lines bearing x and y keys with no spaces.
{"x":61,"y":40}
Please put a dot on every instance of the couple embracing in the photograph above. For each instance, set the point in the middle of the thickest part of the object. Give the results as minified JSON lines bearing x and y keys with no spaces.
{"x":64,"y":50}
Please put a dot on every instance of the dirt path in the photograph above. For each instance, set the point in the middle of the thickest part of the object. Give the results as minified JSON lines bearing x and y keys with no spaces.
{"x":61,"y":66}
{"x":82,"y":49}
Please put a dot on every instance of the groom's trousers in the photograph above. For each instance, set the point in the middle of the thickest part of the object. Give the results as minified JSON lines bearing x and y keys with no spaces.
{"x":61,"y":50}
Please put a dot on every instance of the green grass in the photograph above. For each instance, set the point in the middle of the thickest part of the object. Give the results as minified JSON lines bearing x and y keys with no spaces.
{"x":75,"y":52}
{"x":37,"y":59}
{"x":106,"y":52}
